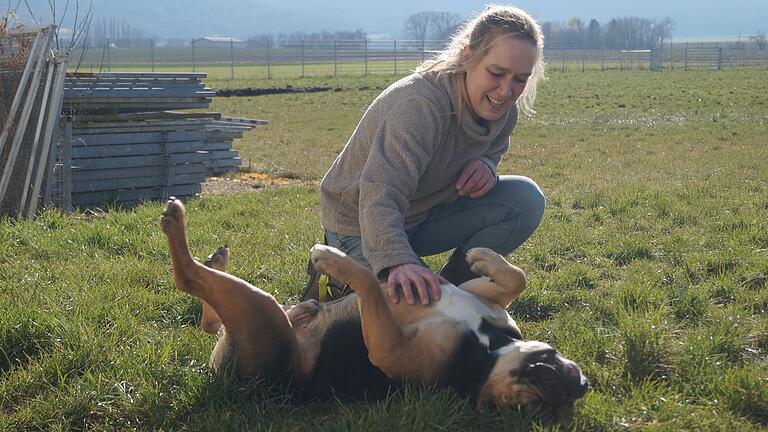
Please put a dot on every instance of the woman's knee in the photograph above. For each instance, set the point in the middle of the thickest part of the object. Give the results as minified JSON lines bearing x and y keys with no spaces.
{"x":524,"y":195}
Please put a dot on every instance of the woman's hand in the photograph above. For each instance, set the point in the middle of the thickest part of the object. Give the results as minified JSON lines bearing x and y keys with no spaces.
{"x":476,"y":179}
{"x":410,"y":276}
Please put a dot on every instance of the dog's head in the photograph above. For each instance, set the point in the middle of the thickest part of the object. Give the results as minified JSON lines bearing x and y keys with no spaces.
{"x":532,"y":373}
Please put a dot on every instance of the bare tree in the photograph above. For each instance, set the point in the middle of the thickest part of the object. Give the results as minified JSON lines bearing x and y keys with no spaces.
{"x":593,"y":34}
{"x":417,"y":25}
{"x":575,"y":33}
{"x":116,"y":30}
{"x":760,"y":40}
{"x":662,"y":31}
{"x":444,"y":24}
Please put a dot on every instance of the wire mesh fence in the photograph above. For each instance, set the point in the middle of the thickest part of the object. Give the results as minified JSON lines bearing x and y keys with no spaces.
{"x":30,"y":104}
{"x":230,"y":58}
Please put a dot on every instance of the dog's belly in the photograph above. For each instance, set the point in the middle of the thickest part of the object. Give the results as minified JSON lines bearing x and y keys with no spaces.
{"x":343,"y":368}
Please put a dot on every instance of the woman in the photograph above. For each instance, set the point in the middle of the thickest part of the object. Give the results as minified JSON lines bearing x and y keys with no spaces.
{"x":418,"y":175}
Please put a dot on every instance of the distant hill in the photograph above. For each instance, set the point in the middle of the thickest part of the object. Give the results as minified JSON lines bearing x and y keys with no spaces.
{"x":242,"y":18}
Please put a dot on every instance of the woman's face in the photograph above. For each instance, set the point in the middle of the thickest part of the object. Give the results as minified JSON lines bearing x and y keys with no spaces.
{"x":496,"y":81}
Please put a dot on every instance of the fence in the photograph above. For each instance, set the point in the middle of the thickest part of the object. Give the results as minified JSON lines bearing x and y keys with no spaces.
{"x":30,"y":102}
{"x":302,"y":58}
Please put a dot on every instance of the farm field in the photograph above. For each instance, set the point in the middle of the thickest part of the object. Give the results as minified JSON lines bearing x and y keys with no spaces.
{"x":650,"y":269}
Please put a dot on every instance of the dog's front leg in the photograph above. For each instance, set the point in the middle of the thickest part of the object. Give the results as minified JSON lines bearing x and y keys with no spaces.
{"x":503,"y":282}
{"x":384,"y":337}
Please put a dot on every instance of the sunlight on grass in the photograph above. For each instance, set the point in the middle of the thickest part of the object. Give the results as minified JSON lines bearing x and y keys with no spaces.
{"x":649,"y":269}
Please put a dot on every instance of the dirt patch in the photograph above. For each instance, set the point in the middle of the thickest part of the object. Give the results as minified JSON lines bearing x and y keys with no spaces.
{"x":254,"y":91}
{"x":247,"y":182}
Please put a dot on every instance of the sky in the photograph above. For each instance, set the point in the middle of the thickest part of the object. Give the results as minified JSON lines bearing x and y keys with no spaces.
{"x":243,"y":18}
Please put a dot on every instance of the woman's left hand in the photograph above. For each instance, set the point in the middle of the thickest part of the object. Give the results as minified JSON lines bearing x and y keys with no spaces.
{"x":475,"y":180}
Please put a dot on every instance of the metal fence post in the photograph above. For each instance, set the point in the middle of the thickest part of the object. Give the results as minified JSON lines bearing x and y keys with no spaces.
{"x":302,"y":58}
{"x":602,"y":60}
{"x":152,"y":53}
{"x":193,"y":54}
{"x":231,"y":58}
{"x":335,"y":58}
{"x":109,"y":58}
{"x":719,"y":58}
{"x":269,"y":58}
{"x":395,"y":44}
{"x":365,"y":48}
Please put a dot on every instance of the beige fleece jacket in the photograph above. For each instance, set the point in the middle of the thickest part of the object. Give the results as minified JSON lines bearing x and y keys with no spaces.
{"x":403,"y":159}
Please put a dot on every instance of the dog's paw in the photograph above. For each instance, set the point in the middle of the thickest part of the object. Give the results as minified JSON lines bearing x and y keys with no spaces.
{"x":328,"y":259}
{"x":174,"y":216}
{"x":218,"y":259}
{"x":484,"y":261}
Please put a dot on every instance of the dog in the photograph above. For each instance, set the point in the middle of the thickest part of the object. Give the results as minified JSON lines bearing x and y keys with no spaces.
{"x":364,"y":346}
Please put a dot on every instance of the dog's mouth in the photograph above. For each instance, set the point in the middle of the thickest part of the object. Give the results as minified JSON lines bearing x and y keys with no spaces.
{"x":556,"y":379}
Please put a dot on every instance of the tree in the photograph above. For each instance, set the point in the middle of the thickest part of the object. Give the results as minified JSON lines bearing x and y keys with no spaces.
{"x":760,"y":40}
{"x":117,"y":30}
{"x":593,"y":34}
{"x":574,"y":32}
{"x":444,"y":24}
{"x":662,"y":31}
{"x":417,"y":25}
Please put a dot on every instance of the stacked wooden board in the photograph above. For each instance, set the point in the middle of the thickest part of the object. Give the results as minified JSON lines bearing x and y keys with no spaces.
{"x":127,"y":148}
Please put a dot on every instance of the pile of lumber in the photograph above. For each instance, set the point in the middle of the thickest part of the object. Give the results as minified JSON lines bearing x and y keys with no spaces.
{"x":130,"y":142}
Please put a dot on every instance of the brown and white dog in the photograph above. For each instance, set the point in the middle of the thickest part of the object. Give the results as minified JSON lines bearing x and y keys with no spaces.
{"x":363,"y":345}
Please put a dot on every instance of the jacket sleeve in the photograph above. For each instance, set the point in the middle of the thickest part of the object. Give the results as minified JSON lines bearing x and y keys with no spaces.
{"x":400,"y":151}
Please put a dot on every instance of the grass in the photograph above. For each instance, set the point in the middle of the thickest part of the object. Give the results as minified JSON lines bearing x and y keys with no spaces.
{"x":649,"y":270}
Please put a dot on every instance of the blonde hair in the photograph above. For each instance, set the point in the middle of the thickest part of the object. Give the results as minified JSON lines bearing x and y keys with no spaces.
{"x":477,"y":36}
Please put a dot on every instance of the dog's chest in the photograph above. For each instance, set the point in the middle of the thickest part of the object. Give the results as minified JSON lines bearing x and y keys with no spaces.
{"x":463,"y":307}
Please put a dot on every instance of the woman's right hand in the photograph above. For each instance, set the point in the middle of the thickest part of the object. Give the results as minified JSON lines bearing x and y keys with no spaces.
{"x":410,"y":277}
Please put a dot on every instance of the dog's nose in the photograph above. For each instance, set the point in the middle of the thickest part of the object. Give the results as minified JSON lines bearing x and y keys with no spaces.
{"x":559,"y":382}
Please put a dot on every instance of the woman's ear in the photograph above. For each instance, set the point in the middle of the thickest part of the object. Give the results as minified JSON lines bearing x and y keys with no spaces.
{"x":466,"y":54}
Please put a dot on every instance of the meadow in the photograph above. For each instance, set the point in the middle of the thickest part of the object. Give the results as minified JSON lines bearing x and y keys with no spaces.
{"x":649,"y":269}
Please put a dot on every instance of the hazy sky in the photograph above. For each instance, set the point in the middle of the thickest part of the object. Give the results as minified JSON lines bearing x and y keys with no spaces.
{"x":242,"y":18}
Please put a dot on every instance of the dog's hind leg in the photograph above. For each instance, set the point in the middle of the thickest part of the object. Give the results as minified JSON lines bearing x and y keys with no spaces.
{"x":256,"y":331}
{"x":210,"y":321}
{"x":503,"y":282}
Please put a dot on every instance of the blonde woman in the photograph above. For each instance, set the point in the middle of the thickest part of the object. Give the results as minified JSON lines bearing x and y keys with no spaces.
{"x":418,"y":175}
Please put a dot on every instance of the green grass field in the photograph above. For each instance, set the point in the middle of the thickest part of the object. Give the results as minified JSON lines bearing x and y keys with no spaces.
{"x":649,"y":270}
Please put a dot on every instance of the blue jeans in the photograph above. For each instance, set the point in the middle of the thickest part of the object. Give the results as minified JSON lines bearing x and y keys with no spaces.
{"x":500,"y":220}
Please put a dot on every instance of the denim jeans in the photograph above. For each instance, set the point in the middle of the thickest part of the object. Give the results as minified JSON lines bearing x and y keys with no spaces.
{"x":500,"y":220}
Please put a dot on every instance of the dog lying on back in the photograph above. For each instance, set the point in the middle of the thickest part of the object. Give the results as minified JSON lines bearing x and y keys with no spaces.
{"x":363,"y":345}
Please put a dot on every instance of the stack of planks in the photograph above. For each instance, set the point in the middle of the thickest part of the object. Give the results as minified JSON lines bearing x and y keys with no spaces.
{"x":127,"y":147}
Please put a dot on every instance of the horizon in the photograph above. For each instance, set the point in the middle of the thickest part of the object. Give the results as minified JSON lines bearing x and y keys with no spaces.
{"x":241,"y":19}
